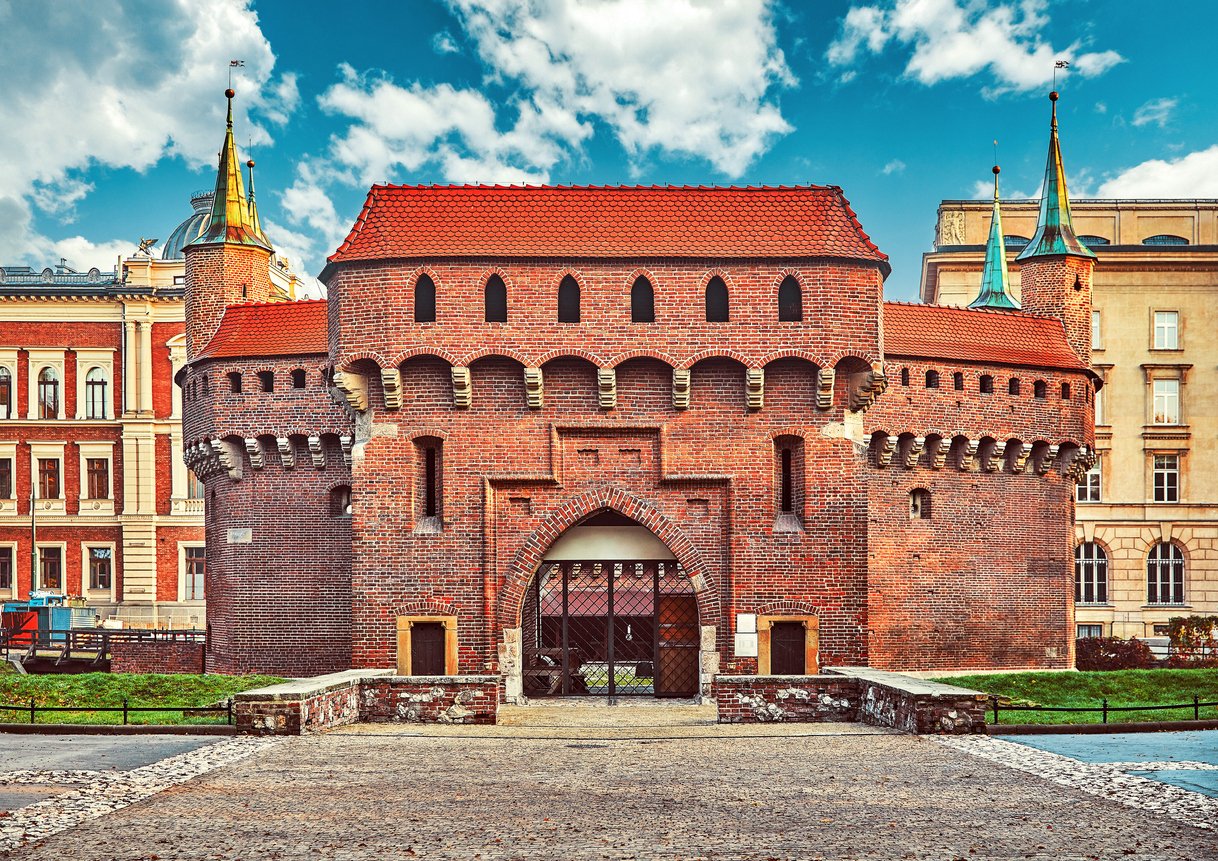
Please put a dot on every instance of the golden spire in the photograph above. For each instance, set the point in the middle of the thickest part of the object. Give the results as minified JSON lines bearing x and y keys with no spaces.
{"x":233,"y":218}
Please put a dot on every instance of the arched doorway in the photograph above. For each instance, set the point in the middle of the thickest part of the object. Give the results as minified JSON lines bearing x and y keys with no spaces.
{"x":610,"y":612}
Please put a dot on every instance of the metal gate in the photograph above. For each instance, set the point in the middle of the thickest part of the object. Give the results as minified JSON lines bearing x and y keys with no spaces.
{"x":610,"y":629}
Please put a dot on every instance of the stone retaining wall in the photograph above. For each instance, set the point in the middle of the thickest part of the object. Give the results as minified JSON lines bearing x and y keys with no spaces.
{"x":156,"y":656}
{"x":805,"y":699}
{"x":430,"y":699}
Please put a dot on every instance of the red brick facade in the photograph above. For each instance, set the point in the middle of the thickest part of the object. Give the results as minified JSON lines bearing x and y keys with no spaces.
{"x":676,"y":424}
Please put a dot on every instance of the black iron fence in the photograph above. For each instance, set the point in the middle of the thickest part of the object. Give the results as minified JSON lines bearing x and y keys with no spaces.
{"x":1103,"y":709}
{"x":92,"y":644}
{"x":33,"y":710}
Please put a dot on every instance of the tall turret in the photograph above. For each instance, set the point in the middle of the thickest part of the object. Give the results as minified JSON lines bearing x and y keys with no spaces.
{"x":230,"y":261}
{"x":1055,"y":267}
{"x":995,"y":282}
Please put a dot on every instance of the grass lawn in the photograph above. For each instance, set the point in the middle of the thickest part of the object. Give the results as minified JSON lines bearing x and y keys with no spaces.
{"x":1087,"y":689}
{"x":109,"y":689}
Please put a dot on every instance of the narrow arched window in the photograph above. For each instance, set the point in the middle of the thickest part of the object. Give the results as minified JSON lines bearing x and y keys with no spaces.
{"x":494,"y":300}
{"x":429,"y":482}
{"x":1065,"y":391}
{"x":1090,"y":574}
{"x":919,"y":504}
{"x":958,"y":381}
{"x":716,"y":301}
{"x":234,"y":382}
{"x":1038,"y":390}
{"x":790,"y":300}
{"x":267,"y":379}
{"x":568,"y":300}
{"x":987,"y":384}
{"x":6,"y":394}
{"x":424,"y":300}
{"x":298,"y":378}
{"x":340,"y":501}
{"x":1013,"y":386}
{"x":1165,"y":574}
{"x":205,"y":385}
{"x":642,"y":301}
{"x":48,"y":394}
{"x":95,"y":394}
{"x":932,"y":379}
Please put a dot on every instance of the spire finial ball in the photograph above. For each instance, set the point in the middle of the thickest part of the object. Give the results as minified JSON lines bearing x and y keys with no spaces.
{"x":229,"y":93}
{"x":249,"y":163}
{"x":1053,"y":96}
{"x":997,"y":170}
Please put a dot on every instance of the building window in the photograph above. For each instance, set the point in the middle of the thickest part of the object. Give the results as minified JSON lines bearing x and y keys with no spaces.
{"x":267,"y":380}
{"x":298,"y":378}
{"x":1065,"y":391}
{"x":6,"y":569}
{"x":98,"y":472}
{"x":1090,"y":574}
{"x":494,"y":300}
{"x":6,"y":478}
{"x":1167,"y":330}
{"x":429,"y":483}
{"x":932,"y":379}
{"x":1090,"y":631}
{"x":1088,"y":487}
{"x":95,"y":394}
{"x":1166,"y":402}
{"x":6,"y":393}
{"x":790,"y":300}
{"x":50,"y":568}
{"x":568,"y":300}
{"x":1090,"y":240}
{"x":987,"y":384}
{"x":1096,"y":343}
{"x":1164,"y":239}
{"x":340,"y":501}
{"x":789,"y":478}
{"x":1099,"y":406}
{"x":1039,"y":389}
{"x":234,"y":382}
{"x":424,"y":300}
{"x":100,"y":568}
{"x":958,"y":381}
{"x":1165,"y":574}
{"x":48,"y":394}
{"x":1013,"y":241}
{"x":919,"y":504}
{"x":1167,"y":478}
{"x":716,"y":301}
{"x":905,"y":376}
{"x":642,"y":301}
{"x":48,"y":478}
{"x":196,"y":569}
{"x":194,"y":487}
{"x":204,"y":384}
{"x":1013,"y":386}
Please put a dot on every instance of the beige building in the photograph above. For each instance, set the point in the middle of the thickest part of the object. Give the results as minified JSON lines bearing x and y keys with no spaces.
{"x":1148,"y":511}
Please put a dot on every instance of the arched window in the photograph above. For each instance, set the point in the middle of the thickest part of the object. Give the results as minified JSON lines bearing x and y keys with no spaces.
{"x":1013,"y":241}
{"x":1038,"y":390}
{"x":234,"y":382}
{"x":958,"y":381}
{"x":905,"y":376}
{"x":987,"y":384}
{"x":919,"y":504}
{"x":788,"y":481}
{"x":642,"y":301}
{"x":494,"y":300}
{"x":568,"y":300}
{"x":716,"y":301}
{"x":340,"y":501}
{"x":429,"y":482}
{"x":1013,"y":386}
{"x":206,"y":386}
{"x":1091,"y":241}
{"x":6,"y":394}
{"x":790,"y":300}
{"x":424,"y":300}
{"x":267,"y":379}
{"x":1090,"y":574}
{"x":1164,"y":239}
{"x":298,"y":378}
{"x":48,"y":394}
{"x":1165,"y":574}
{"x":95,"y":394}
{"x":1065,"y":391}
{"x":932,"y":379}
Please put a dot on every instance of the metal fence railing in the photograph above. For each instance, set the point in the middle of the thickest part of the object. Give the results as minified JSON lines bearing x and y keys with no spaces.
{"x":33,"y":710}
{"x":1103,"y":709}
{"x":93,"y":644}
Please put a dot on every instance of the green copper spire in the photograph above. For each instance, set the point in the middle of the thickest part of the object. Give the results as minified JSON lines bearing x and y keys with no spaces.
{"x":995,"y":293}
{"x":255,"y":221}
{"x":232,"y":219}
{"x":1055,"y":229}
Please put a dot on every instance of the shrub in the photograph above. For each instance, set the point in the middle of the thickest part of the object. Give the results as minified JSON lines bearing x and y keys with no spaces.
{"x":1193,"y":638}
{"x":1112,"y":653}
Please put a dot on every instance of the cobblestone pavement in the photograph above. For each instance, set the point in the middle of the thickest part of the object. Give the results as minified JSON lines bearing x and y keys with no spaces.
{"x":389,"y":792}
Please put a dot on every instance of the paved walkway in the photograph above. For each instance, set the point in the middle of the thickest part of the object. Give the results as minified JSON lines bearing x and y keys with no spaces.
{"x":596,"y":792}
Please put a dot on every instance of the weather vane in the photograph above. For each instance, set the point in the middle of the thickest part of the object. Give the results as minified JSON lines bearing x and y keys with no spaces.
{"x":1060,"y":64}
{"x":234,"y":64}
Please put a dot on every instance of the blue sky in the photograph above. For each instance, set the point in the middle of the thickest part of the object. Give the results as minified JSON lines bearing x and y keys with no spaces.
{"x":117,"y":107}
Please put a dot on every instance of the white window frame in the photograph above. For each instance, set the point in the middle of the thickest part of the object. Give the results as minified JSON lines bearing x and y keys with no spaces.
{"x":12,"y":549}
{"x":1078,"y":630}
{"x":63,"y":564}
{"x":8,"y":451}
{"x":90,"y":507}
{"x":1090,"y":488}
{"x":1166,"y":330}
{"x":1180,"y":599}
{"x":8,"y":361}
{"x":41,"y":450}
{"x":1154,"y":473}
{"x":86,"y":360}
{"x":1087,"y":569}
{"x":110,"y":594}
{"x":43,"y":358}
{"x":1097,"y":341}
{"x":1165,"y":401}
{"x":182,"y":574}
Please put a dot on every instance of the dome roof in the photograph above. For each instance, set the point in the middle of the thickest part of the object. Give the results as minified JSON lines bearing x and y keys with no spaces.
{"x":190,"y":229}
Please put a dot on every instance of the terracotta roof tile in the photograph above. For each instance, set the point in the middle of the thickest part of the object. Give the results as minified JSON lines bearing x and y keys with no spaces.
{"x":606,"y":221}
{"x":270,"y":329}
{"x":990,"y":337}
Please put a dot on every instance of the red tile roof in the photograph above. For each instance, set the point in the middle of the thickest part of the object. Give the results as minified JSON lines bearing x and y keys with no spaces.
{"x":989,"y":337}
{"x":606,"y":221}
{"x":270,"y":329}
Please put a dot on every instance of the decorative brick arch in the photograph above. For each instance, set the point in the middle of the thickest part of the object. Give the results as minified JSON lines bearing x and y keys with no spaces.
{"x":785,"y":606}
{"x":572,"y":353}
{"x":497,"y":352}
{"x":413,"y":353}
{"x":794,"y":353}
{"x":718,"y":353}
{"x":642,"y":354}
{"x":528,"y":558}
{"x":426,"y":607}
{"x":348,"y":361}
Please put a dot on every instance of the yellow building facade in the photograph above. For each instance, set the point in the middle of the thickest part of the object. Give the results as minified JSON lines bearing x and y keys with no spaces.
{"x":1147,"y":513}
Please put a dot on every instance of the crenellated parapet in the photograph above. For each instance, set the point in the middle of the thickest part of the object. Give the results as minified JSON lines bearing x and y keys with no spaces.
{"x":240,"y":458}
{"x":910,"y":451}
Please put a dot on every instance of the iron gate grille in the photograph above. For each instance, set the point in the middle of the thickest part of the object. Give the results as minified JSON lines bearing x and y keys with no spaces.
{"x":611,"y":629}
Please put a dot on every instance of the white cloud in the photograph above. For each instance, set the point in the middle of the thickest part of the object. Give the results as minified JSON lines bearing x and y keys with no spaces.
{"x":894,"y":166}
{"x":1191,"y":176}
{"x":959,"y":39}
{"x":1156,"y":111}
{"x":444,"y":43}
{"x":121,"y":86}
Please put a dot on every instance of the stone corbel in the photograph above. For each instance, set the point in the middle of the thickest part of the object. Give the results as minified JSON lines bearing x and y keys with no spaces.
{"x":754,"y":387}
{"x":391,"y":382}
{"x":316,"y":452}
{"x":255,"y":452}
{"x":463,"y":393}
{"x":825,"y":378}
{"x":937,"y":456}
{"x":1045,"y":460}
{"x":994,"y":460}
{"x":287,"y":455}
{"x":969,"y":454}
{"x":909,"y":458}
{"x":606,"y":381}
{"x":871,"y":385}
{"x":354,"y":388}
{"x":345,"y":443}
{"x":884,"y":447}
{"x":228,"y":457}
{"x":680,"y":389}
{"x":533,"y":387}
{"x":1019,"y":462}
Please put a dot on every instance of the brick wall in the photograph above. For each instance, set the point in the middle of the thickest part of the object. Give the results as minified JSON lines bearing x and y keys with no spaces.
{"x":792,"y":699}
{"x":155,"y":656}
{"x":218,"y":276}
{"x":430,"y":699}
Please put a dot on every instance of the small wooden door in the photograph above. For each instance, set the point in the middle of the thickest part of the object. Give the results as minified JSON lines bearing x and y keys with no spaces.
{"x":427,"y":649}
{"x":787,"y":649}
{"x":677,"y":645}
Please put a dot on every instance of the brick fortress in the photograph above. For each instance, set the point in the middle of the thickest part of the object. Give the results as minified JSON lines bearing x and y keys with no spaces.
{"x":618,"y":440}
